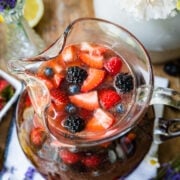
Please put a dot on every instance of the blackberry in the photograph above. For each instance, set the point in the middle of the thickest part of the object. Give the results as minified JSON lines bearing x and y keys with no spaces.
{"x":74,"y":123}
{"x":76,"y":75}
{"x":48,"y":72}
{"x":124,"y":82}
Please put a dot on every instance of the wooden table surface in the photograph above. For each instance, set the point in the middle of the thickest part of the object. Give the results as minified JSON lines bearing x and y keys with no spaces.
{"x":57,"y":16}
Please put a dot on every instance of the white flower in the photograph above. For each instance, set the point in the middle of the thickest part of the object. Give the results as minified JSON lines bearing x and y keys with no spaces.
{"x":149,"y":9}
{"x":153,"y":161}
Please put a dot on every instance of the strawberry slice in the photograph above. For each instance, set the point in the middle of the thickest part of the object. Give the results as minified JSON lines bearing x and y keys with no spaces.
{"x":87,"y":101}
{"x":2,"y":103}
{"x":51,"y":73}
{"x":59,"y":98}
{"x":57,"y":79}
{"x":91,"y":161}
{"x":6,"y":91}
{"x":92,"y":49}
{"x":3,"y":84}
{"x":109,"y":98}
{"x":38,"y":136}
{"x":94,"y":61}
{"x":101,"y":120}
{"x":85,"y":114}
{"x":95,"y":77}
{"x":94,"y":125}
{"x":51,"y":64}
{"x":99,"y":50}
{"x":27,"y":101}
{"x":113,"y":65}
{"x":69,"y":54}
{"x":69,"y":157}
{"x":53,"y":82}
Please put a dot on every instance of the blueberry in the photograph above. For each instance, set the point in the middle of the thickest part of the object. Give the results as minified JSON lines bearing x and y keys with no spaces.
{"x":120,"y":108}
{"x":172,"y":68}
{"x":71,"y":109}
{"x":48,"y":72}
{"x":73,"y":88}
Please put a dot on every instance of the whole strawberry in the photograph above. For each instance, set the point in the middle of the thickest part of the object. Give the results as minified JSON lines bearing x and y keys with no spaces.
{"x":37,"y":136}
{"x":3,"y":84}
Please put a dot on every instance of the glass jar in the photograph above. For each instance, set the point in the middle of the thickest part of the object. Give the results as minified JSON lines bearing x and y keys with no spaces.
{"x":20,"y":40}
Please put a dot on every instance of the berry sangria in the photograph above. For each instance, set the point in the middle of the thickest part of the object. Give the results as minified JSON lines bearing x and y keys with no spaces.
{"x":91,"y":89}
{"x":85,"y":113}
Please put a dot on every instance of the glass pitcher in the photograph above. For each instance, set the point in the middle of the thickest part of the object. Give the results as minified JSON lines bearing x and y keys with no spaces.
{"x":89,"y":115}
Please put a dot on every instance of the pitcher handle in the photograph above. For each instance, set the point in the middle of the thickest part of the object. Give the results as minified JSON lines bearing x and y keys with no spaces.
{"x":166,"y":96}
{"x":166,"y":129}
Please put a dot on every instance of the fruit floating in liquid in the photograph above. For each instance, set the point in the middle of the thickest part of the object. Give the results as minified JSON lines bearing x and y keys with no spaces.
{"x":91,"y":89}
{"x":90,"y":86}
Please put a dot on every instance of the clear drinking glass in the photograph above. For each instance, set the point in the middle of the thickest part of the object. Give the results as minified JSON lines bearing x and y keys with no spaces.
{"x":113,"y":152}
{"x":20,"y":39}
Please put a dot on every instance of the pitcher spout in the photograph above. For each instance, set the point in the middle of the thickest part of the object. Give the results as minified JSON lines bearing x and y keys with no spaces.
{"x":37,"y":90}
{"x":26,"y":70}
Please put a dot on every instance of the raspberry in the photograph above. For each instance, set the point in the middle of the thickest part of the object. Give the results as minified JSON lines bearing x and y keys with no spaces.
{"x":108,"y":98}
{"x":124,"y":82}
{"x":76,"y":75}
{"x":74,"y":124}
{"x":113,"y":65}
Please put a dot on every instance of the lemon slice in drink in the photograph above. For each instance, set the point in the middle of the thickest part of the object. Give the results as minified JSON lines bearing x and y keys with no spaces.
{"x":33,"y":11}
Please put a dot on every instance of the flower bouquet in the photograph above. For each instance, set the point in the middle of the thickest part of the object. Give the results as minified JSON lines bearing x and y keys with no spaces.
{"x":7,"y":4}
{"x":150,"y":9}
{"x":169,"y":171}
{"x":154,"y":22}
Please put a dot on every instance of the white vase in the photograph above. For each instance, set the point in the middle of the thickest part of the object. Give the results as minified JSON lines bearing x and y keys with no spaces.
{"x":160,"y":37}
